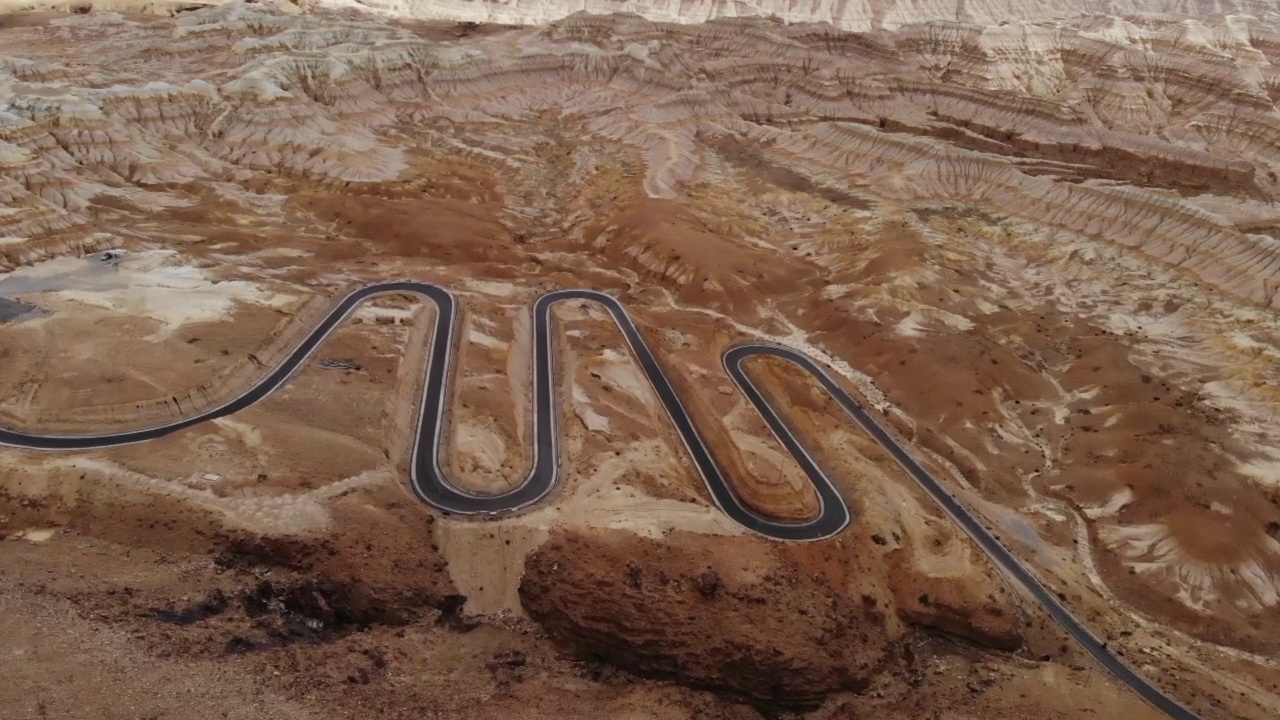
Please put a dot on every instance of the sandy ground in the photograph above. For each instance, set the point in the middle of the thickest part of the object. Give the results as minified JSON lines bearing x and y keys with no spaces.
{"x":92,"y":629}
{"x":1110,"y":416}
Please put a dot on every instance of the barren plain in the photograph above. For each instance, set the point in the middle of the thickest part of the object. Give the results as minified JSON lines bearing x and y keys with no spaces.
{"x":1046,"y":254}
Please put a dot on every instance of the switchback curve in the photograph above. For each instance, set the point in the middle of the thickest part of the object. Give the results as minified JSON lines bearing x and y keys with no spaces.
{"x":427,"y":475}
{"x":433,"y":487}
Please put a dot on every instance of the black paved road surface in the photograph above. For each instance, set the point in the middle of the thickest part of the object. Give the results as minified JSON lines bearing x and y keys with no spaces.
{"x":974,"y":527}
{"x":431,"y":484}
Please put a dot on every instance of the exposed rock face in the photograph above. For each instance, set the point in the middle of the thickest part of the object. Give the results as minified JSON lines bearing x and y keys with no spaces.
{"x":777,"y":625}
{"x":662,"y":610}
{"x":963,"y":213}
{"x":949,"y":605}
{"x":1009,"y":118}
{"x":858,"y":15}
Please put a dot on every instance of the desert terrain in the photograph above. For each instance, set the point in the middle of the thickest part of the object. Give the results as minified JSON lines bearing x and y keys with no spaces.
{"x":1044,"y":254}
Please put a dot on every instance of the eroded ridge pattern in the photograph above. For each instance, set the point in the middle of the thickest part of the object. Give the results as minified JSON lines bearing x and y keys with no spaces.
{"x":855,"y":15}
{"x":1046,"y":250}
{"x":431,"y":484}
{"x":1087,"y":129}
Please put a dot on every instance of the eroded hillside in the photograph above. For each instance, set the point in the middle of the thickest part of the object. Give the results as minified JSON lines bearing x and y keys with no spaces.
{"x":1047,"y":254}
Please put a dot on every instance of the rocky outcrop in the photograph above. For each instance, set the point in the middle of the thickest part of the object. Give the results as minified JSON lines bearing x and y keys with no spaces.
{"x":1094,"y":127}
{"x":948,"y":605}
{"x":675,"y":610}
{"x":777,"y":625}
{"x":859,"y":15}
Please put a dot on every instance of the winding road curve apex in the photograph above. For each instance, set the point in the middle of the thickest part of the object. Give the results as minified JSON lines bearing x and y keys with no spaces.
{"x":433,"y":487}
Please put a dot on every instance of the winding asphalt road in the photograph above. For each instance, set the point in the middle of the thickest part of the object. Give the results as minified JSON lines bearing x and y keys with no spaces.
{"x":433,"y":487}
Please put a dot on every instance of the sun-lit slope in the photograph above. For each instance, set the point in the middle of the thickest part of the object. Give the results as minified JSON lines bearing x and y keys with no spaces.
{"x":1029,"y":123}
{"x":1048,"y":252}
{"x":858,"y":15}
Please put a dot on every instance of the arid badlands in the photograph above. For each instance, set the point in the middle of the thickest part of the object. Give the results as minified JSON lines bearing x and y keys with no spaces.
{"x":1039,"y":243}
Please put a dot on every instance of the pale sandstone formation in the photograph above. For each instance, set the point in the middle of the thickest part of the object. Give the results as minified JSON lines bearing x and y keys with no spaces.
{"x":859,"y":15}
{"x":724,"y":169}
{"x":1009,"y":118}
